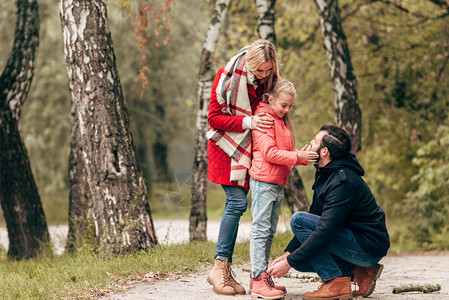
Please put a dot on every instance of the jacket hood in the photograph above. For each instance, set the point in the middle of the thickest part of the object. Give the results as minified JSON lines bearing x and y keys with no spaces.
{"x":265,"y":108}
{"x":349,"y":161}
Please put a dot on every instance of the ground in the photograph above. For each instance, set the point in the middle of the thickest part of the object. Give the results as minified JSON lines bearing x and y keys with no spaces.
{"x":427,"y":268}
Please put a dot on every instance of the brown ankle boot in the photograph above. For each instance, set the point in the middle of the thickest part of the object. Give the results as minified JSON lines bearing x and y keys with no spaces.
{"x":238,"y":288}
{"x":365,"y":279}
{"x":219,"y":279}
{"x":337,"y":288}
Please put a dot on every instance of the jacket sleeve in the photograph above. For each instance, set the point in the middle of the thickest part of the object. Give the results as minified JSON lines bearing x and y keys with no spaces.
{"x":302,"y":163}
{"x":339,"y":202}
{"x":216,"y":118}
{"x":270,"y":151}
{"x":293,"y":245}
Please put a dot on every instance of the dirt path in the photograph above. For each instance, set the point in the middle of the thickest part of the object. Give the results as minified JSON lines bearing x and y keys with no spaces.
{"x":399,"y":270}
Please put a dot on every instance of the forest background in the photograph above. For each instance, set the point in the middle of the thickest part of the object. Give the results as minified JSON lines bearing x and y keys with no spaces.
{"x":400,"y":54}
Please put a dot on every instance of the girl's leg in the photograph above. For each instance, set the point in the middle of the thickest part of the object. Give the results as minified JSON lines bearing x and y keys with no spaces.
{"x":277,"y":205}
{"x":263,"y":196}
{"x":236,"y":204}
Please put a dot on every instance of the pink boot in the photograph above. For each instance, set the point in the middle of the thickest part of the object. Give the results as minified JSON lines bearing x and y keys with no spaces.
{"x":278,"y":287}
{"x":263,"y":287}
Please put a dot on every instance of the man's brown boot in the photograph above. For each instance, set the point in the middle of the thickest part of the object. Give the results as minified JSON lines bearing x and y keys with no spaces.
{"x":219,"y":279}
{"x":238,"y":288}
{"x":365,"y":279}
{"x":337,"y":288}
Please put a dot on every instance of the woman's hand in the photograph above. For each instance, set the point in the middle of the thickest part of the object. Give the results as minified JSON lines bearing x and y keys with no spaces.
{"x":261,"y":122}
{"x":305,"y":154}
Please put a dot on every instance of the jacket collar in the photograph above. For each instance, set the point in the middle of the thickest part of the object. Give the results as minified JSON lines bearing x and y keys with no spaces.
{"x":263,"y":107}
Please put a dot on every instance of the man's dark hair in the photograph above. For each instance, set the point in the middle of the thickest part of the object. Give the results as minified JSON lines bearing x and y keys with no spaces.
{"x":337,"y":140}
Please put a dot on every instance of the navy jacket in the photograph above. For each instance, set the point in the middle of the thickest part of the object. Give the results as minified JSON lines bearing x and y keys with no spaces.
{"x":342,"y":199}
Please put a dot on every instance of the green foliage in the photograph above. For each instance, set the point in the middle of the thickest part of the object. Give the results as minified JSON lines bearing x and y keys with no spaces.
{"x":400,"y":57}
{"x":428,"y":205}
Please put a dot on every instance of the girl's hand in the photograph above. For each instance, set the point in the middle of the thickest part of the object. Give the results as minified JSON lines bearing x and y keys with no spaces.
{"x":261,"y":122}
{"x":305,"y":154}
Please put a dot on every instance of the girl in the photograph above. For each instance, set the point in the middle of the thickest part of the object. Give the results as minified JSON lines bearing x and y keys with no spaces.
{"x":273,"y":156}
{"x":237,"y":90}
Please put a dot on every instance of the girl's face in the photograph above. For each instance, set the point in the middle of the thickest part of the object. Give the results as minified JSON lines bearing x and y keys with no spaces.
{"x":281,"y":104}
{"x":263,"y":70}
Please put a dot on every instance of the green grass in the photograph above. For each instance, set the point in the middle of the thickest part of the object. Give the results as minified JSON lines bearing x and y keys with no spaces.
{"x":75,"y":277}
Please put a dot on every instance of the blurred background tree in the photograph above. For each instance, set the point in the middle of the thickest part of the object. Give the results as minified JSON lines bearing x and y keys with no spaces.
{"x":400,"y":54}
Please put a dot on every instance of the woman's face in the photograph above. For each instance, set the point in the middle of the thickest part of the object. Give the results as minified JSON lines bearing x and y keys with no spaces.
{"x":263,"y":70}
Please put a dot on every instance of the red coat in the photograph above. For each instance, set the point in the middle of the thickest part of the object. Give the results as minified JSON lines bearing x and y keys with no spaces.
{"x":273,"y":152}
{"x":218,"y":162}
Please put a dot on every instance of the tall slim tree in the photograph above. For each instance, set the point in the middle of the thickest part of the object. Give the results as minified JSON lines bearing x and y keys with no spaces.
{"x":19,"y":197}
{"x":346,"y":104}
{"x":266,"y":13}
{"x":121,"y":212}
{"x":198,"y":216}
{"x":295,"y":193}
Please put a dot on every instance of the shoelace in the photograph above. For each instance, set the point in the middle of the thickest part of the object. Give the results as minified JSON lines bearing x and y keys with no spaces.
{"x":269,"y":282}
{"x":227,"y":276}
{"x":231,"y":275}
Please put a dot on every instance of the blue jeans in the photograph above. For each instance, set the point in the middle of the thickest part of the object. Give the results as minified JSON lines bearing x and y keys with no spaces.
{"x":235,"y":206}
{"x":340,"y":255}
{"x":265,"y":208}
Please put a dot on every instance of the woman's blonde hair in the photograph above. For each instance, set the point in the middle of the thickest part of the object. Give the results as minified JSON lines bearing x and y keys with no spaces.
{"x":261,"y":51}
{"x":283,"y":86}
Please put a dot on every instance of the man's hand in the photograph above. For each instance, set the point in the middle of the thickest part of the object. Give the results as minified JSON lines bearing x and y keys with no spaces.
{"x":279,"y":269}
{"x":261,"y":121}
{"x":280,"y":258}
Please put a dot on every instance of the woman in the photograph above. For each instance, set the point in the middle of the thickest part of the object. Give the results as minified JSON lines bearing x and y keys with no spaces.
{"x":237,"y":90}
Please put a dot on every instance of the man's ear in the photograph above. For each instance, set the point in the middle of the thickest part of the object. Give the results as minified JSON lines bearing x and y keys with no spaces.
{"x":325,"y":152}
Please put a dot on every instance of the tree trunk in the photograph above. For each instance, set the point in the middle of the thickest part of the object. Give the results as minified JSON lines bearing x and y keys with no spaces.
{"x":198,"y":216}
{"x":80,"y":204}
{"x":121,"y":212}
{"x":295,"y":194}
{"x":19,"y":196}
{"x":266,"y":13}
{"x":347,"y":111}
{"x":160,"y":149}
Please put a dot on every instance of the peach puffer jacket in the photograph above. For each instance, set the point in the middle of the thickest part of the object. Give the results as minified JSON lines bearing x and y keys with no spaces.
{"x":273,"y":153}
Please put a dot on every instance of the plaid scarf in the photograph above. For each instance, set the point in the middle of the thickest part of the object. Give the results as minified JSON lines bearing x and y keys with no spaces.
{"x":232,"y":95}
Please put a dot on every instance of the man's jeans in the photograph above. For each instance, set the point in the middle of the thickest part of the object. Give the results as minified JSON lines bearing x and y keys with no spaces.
{"x":235,"y":206}
{"x":265,"y":208}
{"x":339,"y":256}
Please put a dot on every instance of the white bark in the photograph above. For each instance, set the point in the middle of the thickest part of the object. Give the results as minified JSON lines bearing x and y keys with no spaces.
{"x":266,"y":13}
{"x":198,"y":218}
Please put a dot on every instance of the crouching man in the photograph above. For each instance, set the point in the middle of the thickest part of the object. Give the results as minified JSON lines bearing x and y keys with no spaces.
{"x":344,"y":232}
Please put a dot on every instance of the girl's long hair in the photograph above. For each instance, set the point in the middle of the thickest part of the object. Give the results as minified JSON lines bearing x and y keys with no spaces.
{"x":283,"y":86}
{"x":261,"y":51}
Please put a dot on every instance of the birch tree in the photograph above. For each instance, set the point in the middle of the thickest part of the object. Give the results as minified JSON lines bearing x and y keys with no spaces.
{"x":80,"y":204}
{"x":266,"y":18}
{"x":198,"y":215}
{"x":121,"y":212}
{"x":19,"y":196}
{"x":346,"y":104}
